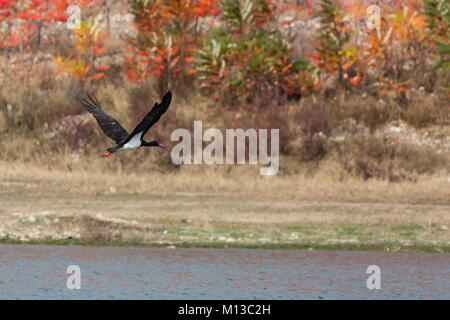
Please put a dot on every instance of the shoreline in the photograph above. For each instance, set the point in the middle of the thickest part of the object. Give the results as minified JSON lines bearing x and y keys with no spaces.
{"x":378,"y":247}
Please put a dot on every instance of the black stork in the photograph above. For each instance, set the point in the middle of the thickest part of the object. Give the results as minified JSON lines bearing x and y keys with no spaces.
{"x":113,"y":129}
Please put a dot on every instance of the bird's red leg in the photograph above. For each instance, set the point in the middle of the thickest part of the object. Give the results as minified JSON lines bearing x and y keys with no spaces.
{"x":106,"y":154}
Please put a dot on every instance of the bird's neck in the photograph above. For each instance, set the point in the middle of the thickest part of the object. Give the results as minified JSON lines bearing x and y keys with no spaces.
{"x":150,"y":144}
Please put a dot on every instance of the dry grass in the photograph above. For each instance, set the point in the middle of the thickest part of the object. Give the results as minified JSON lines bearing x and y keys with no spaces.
{"x":379,"y":157}
{"x":329,"y":183}
{"x":41,"y":121}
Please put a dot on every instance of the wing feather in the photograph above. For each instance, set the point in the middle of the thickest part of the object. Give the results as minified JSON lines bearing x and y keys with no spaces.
{"x":110,"y":126}
{"x":154,"y":115}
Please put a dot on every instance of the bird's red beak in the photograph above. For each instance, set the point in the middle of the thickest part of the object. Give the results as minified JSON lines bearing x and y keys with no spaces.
{"x":106,"y":154}
{"x":163,"y":146}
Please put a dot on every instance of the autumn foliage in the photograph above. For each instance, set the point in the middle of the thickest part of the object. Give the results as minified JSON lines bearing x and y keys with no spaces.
{"x":247,"y":55}
{"x":87,"y":43}
{"x":168,"y":36}
{"x":24,"y":20}
{"x":244,"y":49}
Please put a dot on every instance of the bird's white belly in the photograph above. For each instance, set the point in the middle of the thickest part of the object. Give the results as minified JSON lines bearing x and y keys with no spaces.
{"x":134,"y":143}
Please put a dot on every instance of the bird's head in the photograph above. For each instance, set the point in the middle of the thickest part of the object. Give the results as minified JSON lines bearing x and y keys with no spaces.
{"x":159,"y":144}
{"x":155,"y":143}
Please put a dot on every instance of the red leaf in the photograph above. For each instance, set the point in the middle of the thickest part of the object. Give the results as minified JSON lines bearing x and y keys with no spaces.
{"x":35,"y":17}
{"x":98,"y":75}
{"x":103,"y":68}
{"x":286,"y":68}
{"x":214,"y":11}
{"x":99,"y":50}
{"x":62,"y":17}
{"x":22,"y":15}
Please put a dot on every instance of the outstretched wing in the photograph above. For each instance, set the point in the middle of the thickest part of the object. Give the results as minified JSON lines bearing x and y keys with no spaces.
{"x":110,"y":126}
{"x":153,"y":116}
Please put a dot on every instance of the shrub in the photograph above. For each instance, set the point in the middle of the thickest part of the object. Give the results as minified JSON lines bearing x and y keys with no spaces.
{"x":88,"y":45}
{"x":168,"y":36}
{"x":246,"y":55}
{"x":438,"y":22}
{"x":38,"y":102}
{"x":315,"y":128}
{"x":333,"y":37}
{"x":377,"y":157}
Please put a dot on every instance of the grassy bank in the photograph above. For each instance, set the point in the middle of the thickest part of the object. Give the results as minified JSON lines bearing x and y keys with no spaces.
{"x":388,"y":246}
{"x":215,"y":207}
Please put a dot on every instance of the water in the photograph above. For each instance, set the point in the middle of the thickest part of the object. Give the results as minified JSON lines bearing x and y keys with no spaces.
{"x":39,"y":272}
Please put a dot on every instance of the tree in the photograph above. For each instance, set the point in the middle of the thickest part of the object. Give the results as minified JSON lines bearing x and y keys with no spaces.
{"x":168,"y":35}
{"x":247,"y":56}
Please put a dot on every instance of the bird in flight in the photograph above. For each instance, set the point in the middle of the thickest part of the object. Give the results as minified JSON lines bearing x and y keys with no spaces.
{"x":113,"y":129}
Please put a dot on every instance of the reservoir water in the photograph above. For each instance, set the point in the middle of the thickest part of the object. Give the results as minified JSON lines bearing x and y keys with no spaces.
{"x":40,"y":272}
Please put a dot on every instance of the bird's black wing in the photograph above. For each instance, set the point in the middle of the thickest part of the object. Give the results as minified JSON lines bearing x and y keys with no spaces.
{"x":110,"y":126}
{"x":153,"y":116}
